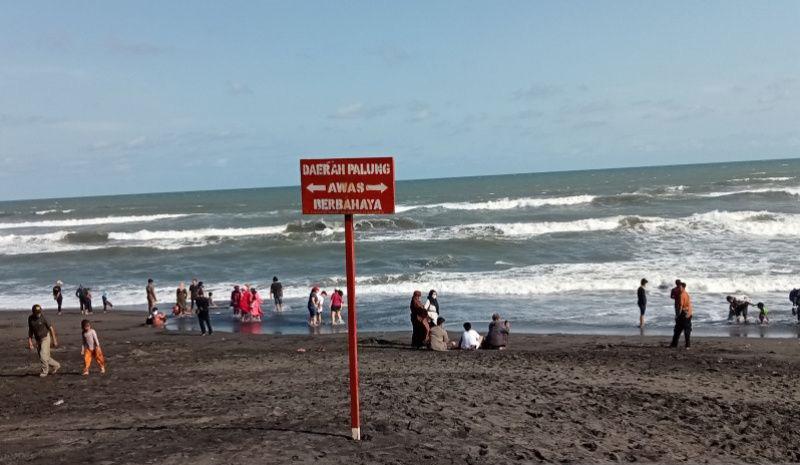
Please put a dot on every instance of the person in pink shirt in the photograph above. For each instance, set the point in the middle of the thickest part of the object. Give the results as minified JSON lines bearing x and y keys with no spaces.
{"x":255,"y":304}
{"x":336,"y":307}
{"x":245,"y":301}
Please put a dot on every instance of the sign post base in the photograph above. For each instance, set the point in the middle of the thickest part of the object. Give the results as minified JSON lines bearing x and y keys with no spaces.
{"x":356,"y":434}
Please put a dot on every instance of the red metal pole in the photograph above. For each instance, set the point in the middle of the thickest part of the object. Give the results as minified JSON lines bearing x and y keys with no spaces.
{"x":352,"y":339}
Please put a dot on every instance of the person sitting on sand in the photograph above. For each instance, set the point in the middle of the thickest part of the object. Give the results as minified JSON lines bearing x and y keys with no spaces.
{"x":440,"y":341}
{"x":159,"y":318}
{"x":762,"y":313}
{"x":470,"y":339}
{"x":497,"y":337}
{"x":420,"y":328}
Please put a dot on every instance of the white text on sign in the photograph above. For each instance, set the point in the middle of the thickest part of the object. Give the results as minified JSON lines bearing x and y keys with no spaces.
{"x":341,"y":169}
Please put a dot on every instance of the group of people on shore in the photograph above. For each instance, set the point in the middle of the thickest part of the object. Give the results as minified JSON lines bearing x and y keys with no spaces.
{"x":427,"y":328}
{"x":84,"y":295}
{"x":199,"y":302}
{"x":246,"y":302}
{"x":318,"y":301}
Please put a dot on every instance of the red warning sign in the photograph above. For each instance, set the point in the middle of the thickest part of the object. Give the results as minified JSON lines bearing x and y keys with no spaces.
{"x":347,"y":186}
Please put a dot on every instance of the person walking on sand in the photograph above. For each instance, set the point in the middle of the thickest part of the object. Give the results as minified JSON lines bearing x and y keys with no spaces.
{"x":151,"y":295}
{"x":255,"y":305}
{"x":440,"y":340}
{"x":180,"y":298}
{"x":57,"y":295}
{"x":276,"y":293}
{"x":203,"y":316}
{"x":675,"y":294}
{"x":641,"y":300}
{"x":432,"y":306}
{"x":684,"y":321}
{"x":90,"y":349}
{"x":420,"y":328}
{"x":41,"y":331}
{"x":193,"y":292}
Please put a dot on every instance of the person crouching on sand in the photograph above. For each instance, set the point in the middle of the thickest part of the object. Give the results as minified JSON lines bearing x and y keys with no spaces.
{"x":440,"y":340}
{"x":420,"y":328}
{"x":470,"y":339}
{"x":41,"y":331}
{"x":90,"y":348}
{"x":684,"y":321}
{"x":497,"y":337}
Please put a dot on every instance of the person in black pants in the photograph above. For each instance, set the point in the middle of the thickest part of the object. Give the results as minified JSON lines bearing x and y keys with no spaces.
{"x":683,"y":323}
{"x":202,"y":315}
{"x":641,"y":300}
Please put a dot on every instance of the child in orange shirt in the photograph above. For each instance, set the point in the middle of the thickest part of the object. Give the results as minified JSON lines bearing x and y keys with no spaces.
{"x":90,"y":349}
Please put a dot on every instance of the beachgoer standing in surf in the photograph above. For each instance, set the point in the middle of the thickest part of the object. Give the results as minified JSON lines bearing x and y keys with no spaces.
{"x":203,"y":316}
{"x":151,"y":295}
{"x":192,"y":293}
{"x":57,"y":295}
{"x":641,"y":300}
{"x":79,"y":294}
{"x":181,"y":296}
{"x":276,"y":293}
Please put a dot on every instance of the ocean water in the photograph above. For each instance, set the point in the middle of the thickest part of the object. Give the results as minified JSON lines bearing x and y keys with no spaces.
{"x":550,"y":252}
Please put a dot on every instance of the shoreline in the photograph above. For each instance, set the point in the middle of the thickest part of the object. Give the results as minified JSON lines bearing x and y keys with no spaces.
{"x":171,"y":398}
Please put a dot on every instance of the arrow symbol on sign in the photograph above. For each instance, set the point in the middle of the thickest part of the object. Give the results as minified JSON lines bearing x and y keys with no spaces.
{"x":377,"y":187}
{"x":315,"y":187}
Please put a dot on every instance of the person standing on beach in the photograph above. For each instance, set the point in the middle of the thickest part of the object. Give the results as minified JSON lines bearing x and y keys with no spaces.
{"x":337,"y":297}
{"x":312,"y":305}
{"x":181,"y":295}
{"x":193,"y":293}
{"x":420,"y":328}
{"x":151,"y":295}
{"x":202,"y":314}
{"x":245,"y":300}
{"x":41,"y":331}
{"x":641,"y":300}
{"x":675,"y":294}
{"x":87,"y":300}
{"x":79,"y":294}
{"x":57,"y":295}
{"x":90,"y":348}
{"x":276,"y":292}
{"x":106,"y":303}
{"x":432,"y":306}
{"x":683,"y":324}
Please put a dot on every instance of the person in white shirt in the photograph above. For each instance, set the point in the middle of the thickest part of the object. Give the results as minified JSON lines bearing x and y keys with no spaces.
{"x":470,"y":339}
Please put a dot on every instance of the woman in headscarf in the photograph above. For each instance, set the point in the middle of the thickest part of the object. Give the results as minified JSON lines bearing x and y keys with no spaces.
{"x":180,"y":296}
{"x":432,"y":306}
{"x":245,"y":303}
{"x":255,"y":304}
{"x":419,"y":322}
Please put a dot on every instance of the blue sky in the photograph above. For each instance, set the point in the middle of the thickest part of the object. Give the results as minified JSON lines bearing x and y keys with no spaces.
{"x":118,"y":97}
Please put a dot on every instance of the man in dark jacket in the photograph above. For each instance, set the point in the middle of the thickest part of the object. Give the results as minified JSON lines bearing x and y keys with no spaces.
{"x":641,"y":300}
{"x":40,"y":330}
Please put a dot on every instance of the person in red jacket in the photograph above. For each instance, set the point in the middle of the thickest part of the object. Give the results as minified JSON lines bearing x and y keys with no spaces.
{"x":245,"y":302}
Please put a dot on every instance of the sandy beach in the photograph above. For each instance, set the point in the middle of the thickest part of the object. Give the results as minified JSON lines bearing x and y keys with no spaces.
{"x":171,"y":398}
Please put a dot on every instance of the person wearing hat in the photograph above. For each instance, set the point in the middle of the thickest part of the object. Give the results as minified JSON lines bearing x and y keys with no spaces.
{"x":641,"y":300}
{"x":41,"y":331}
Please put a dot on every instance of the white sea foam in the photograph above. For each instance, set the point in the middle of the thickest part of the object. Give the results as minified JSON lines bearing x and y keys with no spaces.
{"x":785,"y":190}
{"x":45,"y":212}
{"x":193,"y":234}
{"x":766,"y":179}
{"x":504,"y":203}
{"x":90,"y":221}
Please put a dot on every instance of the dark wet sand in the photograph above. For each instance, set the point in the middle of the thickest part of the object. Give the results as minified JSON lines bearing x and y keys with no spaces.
{"x":178,"y":398}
